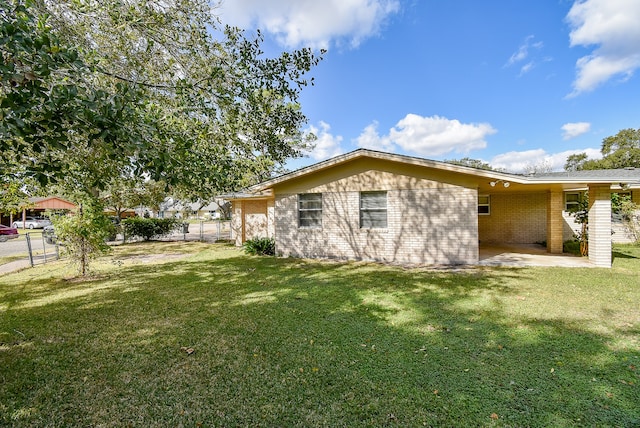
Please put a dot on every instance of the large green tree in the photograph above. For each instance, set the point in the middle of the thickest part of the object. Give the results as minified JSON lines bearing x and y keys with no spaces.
{"x":130,"y":194}
{"x":618,"y":151}
{"x":98,"y":90}
{"x":94,"y":93}
{"x":51,"y":114}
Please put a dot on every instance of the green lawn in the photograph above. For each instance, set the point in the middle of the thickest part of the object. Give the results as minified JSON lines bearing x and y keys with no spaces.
{"x":207,"y":336}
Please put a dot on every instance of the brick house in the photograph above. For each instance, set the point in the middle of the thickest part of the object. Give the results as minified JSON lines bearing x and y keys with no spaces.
{"x":369,"y":205}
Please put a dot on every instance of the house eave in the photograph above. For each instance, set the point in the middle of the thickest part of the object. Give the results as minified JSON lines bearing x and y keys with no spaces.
{"x":264,"y":190}
{"x":241,"y":196}
{"x":408,"y":160}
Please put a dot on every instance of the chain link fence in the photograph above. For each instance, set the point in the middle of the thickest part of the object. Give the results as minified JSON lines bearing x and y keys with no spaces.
{"x":38,"y":247}
{"x":29,"y":249}
{"x":203,"y":231}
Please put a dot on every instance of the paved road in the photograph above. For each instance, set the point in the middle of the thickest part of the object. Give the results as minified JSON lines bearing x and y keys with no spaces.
{"x":18,"y":246}
{"x":13,"y":247}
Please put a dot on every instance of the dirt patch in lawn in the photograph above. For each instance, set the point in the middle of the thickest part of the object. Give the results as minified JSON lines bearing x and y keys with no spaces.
{"x":151,"y":258}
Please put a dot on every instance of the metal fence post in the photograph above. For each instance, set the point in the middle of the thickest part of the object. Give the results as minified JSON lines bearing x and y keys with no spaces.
{"x":201,"y":230}
{"x":44,"y":249}
{"x":28,"y":238}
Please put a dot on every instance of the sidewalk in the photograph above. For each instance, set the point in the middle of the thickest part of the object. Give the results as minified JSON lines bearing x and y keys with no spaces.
{"x":14,"y":266}
{"x":21,"y":264}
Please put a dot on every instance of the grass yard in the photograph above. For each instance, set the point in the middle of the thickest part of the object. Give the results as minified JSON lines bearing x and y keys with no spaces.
{"x":206,"y":336}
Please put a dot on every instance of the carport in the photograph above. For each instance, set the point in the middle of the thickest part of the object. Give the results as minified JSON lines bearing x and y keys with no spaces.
{"x":527,"y":209}
{"x":37,"y":206}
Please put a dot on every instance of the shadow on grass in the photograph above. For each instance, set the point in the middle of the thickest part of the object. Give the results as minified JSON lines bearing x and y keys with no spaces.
{"x":287,"y":342}
{"x":620,"y":255}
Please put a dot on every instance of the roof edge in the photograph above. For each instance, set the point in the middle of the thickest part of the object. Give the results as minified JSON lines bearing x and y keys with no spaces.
{"x":260,"y":190}
{"x":360,"y":153}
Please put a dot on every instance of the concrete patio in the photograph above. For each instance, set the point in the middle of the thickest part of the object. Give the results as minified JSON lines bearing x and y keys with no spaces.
{"x":525,"y":255}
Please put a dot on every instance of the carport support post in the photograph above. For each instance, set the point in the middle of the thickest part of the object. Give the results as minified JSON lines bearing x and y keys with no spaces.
{"x":555,"y":222}
{"x":600,"y":225}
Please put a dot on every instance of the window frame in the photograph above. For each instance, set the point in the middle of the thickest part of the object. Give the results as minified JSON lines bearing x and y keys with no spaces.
{"x":576,"y":202}
{"x":315,"y":223}
{"x":487,"y":204}
{"x":366,"y":221}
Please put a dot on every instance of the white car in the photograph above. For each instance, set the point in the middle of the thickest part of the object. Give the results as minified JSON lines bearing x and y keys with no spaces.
{"x":32,"y":223}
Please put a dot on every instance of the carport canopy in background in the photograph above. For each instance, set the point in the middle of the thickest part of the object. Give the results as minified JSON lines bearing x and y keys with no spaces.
{"x":52,"y":203}
{"x":48,"y":203}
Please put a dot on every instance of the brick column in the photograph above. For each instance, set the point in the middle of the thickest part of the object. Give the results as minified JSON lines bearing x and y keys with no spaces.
{"x":237,"y":222}
{"x":271,"y":216}
{"x":600,"y":225}
{"x":555,"y":222}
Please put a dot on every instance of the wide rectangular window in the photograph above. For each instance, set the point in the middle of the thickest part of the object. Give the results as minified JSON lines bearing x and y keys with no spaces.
{"x":310,"y":210}
{"x":484,"y":205}
{"x":373,"y":210}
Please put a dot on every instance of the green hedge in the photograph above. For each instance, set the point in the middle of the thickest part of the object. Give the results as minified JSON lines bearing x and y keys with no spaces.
{"x":149,"y":228}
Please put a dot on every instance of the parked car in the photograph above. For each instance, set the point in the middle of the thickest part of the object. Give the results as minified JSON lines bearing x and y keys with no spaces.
{"x":32,"y":223}
{"x":7,"y":233}
{"x":49,"y":234}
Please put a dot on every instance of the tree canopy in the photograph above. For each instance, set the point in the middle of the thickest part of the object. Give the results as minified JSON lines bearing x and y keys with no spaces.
{"x":473,"y":163}
{"x":618,"y":151}
{"x":94,"y":91}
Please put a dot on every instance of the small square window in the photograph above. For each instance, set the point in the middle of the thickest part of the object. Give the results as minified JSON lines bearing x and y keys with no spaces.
{"x":484,"y":204}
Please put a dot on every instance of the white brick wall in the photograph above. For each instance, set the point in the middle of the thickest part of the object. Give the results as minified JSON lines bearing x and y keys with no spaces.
{"x":600,"y":226}
{"x":425,"y":226}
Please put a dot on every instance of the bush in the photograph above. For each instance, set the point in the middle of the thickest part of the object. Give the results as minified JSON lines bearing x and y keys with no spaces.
{"x":149,"y":228}
{"x":571,"y":247}
{"x":83,"y":234}
{"x":260,"y":247}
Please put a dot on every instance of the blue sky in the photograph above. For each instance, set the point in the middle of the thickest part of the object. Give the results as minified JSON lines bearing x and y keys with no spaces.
{"x":515,"y":83}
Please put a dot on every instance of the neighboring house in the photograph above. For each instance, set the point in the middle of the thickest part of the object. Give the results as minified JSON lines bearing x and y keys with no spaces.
{"x":174,"y":208}
{"x":171,"y":208}
{"x":369,"y":205}
{"x":208,"y":211}
{"x":125,"y":213}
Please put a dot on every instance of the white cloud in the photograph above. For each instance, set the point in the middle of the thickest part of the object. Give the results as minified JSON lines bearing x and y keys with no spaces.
{"x":526,"y":68}
{"x":428,"y":136}
{"x":523,"y":54}
{"x":370,"y":139}
{"x":435,"y":135}
{"x":612,"y":26}
{"x":327,"y":145}
{"x":573,"y":130}
{"x":312,"y":23}
{"x":519,"y":162}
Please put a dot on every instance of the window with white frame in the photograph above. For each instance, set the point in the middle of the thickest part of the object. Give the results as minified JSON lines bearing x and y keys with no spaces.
{"x":484,"y":205}
{"x":572,"y":201}
{"x":373,"y":210}
{"x":310,"y":210}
